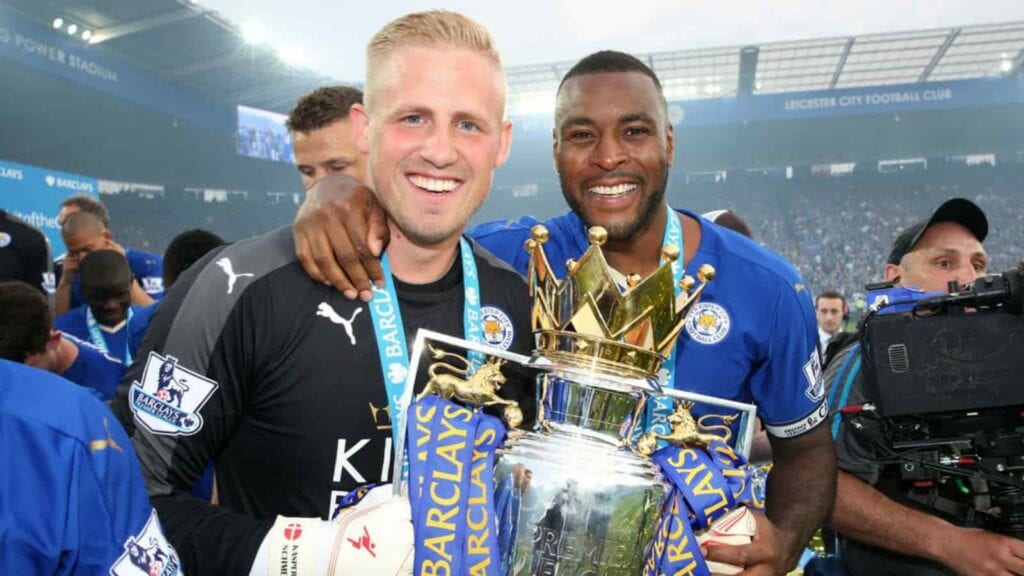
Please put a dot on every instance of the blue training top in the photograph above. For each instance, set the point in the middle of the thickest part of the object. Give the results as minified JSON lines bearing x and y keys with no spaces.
{"x":94,"y":369}
{"x":74,"y":322}
{"x":138,"y":326}
{"x":72,"y":500}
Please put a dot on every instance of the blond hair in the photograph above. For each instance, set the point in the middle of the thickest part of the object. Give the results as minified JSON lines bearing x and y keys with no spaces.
{"x":426,"y":29}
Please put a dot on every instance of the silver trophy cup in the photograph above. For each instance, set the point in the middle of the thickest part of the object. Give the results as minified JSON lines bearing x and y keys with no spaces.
{"x":571,"y":500}
{"x":577,"y":495}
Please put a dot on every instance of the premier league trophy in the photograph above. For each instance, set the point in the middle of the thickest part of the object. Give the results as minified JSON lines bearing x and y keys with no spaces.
{"x":593,"y":489}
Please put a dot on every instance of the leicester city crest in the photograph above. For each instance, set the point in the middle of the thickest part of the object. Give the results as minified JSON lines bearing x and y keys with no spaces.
{"x":497,"y":327}
{"x":707,"y":323}
{"x":169,"y":398}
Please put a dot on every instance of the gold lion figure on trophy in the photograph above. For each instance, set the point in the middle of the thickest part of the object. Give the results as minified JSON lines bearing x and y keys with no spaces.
{"x":685,"y":432}
{"x":479,"y":390}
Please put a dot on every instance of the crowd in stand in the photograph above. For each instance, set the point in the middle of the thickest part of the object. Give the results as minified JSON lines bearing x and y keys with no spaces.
{"x":151,"y":223}
{"x":836,"y":230}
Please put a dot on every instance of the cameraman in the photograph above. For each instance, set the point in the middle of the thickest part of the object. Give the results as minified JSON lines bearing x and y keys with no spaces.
{"x":881,"y":533}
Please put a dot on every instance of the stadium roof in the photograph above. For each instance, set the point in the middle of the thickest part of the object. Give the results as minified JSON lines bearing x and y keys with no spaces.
{"x":819,"y":64}
{"x":184,"y":43}
{"x":187,"y":44}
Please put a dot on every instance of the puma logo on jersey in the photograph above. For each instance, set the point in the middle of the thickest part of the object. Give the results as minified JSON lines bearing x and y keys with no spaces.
{"x":225,"y":265}
{"x":103,"y":444}
{"x":325,"y":310}
{"x":381,"y":423}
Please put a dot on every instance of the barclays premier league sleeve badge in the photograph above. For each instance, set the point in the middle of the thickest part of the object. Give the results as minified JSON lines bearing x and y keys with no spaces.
{"x":169,"y":398}
{"x":147,"y":552}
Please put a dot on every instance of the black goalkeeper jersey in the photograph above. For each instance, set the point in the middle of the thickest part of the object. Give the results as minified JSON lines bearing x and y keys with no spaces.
{"x":252,"y":365}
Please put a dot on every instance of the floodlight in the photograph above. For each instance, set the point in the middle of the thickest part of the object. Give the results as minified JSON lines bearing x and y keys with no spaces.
{"x":254,"y":33}
{"x":290,"y":56}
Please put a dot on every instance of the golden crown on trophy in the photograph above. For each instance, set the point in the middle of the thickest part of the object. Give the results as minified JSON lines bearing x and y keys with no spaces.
{"x":588,"y":320}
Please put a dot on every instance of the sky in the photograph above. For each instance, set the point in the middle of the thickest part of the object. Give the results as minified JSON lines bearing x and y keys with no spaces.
{"x":329,"y":36}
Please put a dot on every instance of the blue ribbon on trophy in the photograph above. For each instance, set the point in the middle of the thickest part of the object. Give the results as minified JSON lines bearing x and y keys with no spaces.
{"x":481,"y":548}
{"x":707,"y":483}
{"x":451,"y":456}
{"x":352,"y":498}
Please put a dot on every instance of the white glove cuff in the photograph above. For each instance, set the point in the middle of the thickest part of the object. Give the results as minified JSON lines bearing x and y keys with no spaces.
{"x":294,"y":547}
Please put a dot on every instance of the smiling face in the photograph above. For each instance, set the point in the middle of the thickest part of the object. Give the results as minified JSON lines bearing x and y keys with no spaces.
{"x":613,"y":148}
{"x":435,"y":133}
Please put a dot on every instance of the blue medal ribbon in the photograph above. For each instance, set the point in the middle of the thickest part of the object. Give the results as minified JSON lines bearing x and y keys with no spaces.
{"x":706,"y":484}
{"x":471,"y":309}
{"x":451,"y":455}
{"x":97,"y":339}
{"x":660,"y":407}
{"x":390,"y":333}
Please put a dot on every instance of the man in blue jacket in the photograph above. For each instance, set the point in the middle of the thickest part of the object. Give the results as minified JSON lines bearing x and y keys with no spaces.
{"x":72,"y":500}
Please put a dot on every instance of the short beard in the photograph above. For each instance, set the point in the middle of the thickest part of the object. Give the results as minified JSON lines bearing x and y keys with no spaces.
{"x":621,"y":232}
{"x":419,"y":232}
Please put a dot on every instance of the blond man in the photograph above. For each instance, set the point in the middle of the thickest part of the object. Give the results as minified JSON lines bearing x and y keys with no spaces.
{"x":289,"y":387}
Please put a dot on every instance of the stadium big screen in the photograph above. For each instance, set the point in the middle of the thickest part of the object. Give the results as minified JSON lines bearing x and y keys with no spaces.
{"x":262,"y":134}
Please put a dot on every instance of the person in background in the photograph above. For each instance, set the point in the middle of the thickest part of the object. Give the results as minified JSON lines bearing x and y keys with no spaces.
{"x":24,"y":253}
{"x":184,"y":250}
{"x":322,"y":135}
{"x":27,"y":336}
{"x":832,"y":311}
{"x":882,"y":532}
{"x":105,"y":319}
{"x":84,"y":232}
{"x":731,"y":220}
{"x":70,"y":205}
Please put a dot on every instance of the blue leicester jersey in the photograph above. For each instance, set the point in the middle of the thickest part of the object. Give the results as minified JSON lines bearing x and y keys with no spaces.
{"x":72,"y":499}
{"x":147,"y":268}
{"x":138,"y":326}
{"x":751,"y":338}
{"x":74,"y":322}
{"x":94,"y":369}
